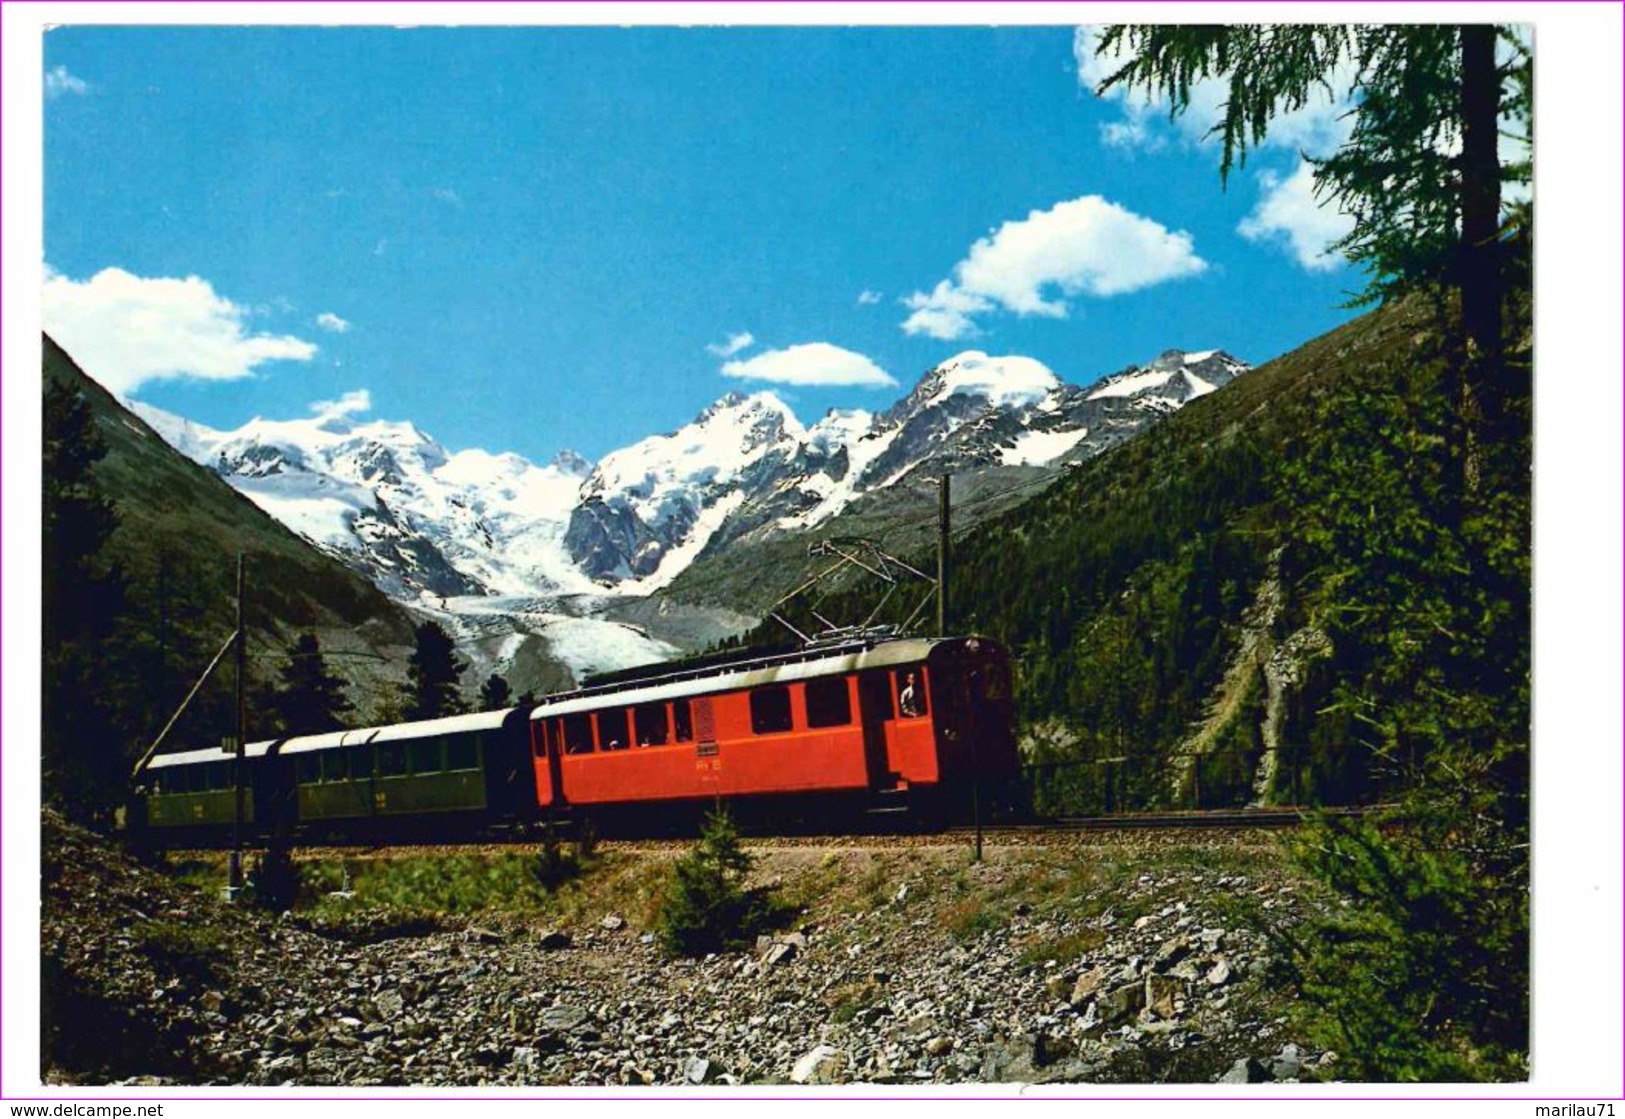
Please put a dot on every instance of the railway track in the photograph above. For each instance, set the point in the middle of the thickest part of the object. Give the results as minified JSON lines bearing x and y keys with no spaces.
{"x":1058,"y":830}
{"x":1207,"y":818}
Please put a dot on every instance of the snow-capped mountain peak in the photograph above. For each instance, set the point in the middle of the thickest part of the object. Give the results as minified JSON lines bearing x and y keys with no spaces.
{"x":1004,"y":382}
{"x":1173,"y":378}
{"x":425,"y":523}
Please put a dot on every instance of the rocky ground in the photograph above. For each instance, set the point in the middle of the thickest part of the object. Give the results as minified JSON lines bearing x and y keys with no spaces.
{"x":1121,"y":960}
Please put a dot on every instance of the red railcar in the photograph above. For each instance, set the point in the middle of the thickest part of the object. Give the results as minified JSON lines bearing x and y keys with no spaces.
{"x":903,"y":719}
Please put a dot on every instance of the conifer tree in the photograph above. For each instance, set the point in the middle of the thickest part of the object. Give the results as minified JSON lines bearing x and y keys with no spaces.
{"x":495,"y":694}
{"x":433,"y":674}
{"x":83,"y":746}
{"x":309,"y":699}
{"x":706,"y":907}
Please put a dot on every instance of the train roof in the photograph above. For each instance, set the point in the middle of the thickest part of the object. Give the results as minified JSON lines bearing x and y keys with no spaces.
{"x":399,"y":732}
{"x":207,"y":755}
{"x":305,"y":743}
{"x":805,"y":664}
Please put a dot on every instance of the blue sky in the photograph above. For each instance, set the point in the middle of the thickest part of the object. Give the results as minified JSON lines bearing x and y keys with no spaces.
{"x":532,"y":238}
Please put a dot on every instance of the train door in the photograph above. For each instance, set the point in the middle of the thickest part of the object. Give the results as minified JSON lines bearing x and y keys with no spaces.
{"x":707,"y":753}
{"x":876,"y":711}
{"x":547,"y":741}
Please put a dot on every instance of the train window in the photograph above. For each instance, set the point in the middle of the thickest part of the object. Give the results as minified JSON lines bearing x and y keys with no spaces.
{"x":220,"y":775}
{"x":308,"y":769}
{"x":424,"y":755}
{"x":911,"y":693}
{"x":828,"y":703}
{"x":612,"y":734}
{"x":682,"y":722}
{"x":875,"y":694}
{"x":649,"y":724}
{"x":770,"y":710}
{"x":392,"y":759}
{"x":577,"y":734}
{"x":186,"y":779}
{"x":462,"y":753}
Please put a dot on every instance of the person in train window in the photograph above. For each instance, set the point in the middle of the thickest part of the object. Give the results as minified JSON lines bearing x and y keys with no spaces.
{"x":907,"y":702}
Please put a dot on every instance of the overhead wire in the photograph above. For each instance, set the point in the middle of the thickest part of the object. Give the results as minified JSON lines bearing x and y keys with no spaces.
{"x":700,"y":583}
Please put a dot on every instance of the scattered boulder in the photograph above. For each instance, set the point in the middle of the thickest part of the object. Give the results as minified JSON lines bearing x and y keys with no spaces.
{"x":1287,"y":1064}
{"x":1163,"y":995}
{"x":1088,"y":985}
{"x":821,"y":1066}
{"x":701,"y":1070}
{"x":777,"y":953}
{"x":1170,"y":952}
{"x":564,"y":1019}
{"x":1247,"y":1070}
{"x":1122,"y":1004}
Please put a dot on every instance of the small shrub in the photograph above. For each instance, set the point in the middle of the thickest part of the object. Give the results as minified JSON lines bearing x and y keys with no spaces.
{"x":1424,"y":977}
{"x":186,"y":950}
{"x":970,"y":917}
{"x":706,"y":907}
{"x":849,"y":1000}
{"x":554,"y":866}
{"x":371,"y":926}
{"x":1062,"y":949}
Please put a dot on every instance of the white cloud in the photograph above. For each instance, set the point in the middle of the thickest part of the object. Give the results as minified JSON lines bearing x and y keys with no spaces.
{"x":733,"y":345}
{"x":59,"y":82}
{"x":867,"y":298}
{"x":1289,"y":212}
{"x":1087,"y":246}
{"x":448,"y":196}
{"x":351,"y":403}
{"x":126,"y":330}
{"x":814,"y":363}
{"x":945,"y":313}
{"x":331,"y":323}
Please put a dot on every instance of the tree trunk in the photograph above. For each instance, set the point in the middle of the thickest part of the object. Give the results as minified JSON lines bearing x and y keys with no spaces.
{"x":1479,"y":256}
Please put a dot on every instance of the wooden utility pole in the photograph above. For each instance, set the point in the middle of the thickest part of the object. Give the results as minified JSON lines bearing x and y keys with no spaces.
{"x":943,"y":536}
{"x":942,"y":558}
{"x":235,"y":874}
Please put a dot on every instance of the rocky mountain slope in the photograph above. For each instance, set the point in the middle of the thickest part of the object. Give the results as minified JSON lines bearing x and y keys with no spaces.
{"x":1126,"y":961}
